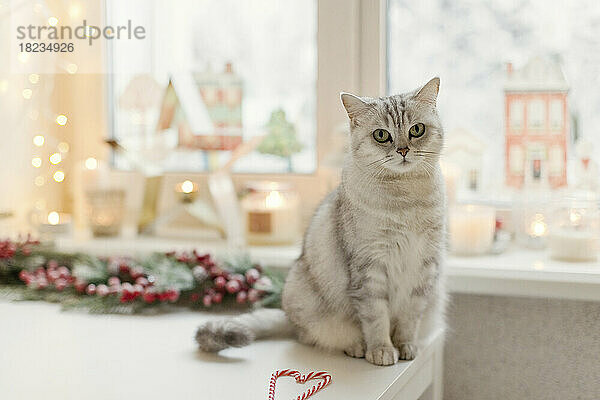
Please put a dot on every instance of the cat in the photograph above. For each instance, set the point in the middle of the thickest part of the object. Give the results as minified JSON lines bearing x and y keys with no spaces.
{"x":369,"y":280}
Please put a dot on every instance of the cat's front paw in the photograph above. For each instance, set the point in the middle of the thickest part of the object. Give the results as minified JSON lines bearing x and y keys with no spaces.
{"x":407,"y":351}
{"x":357,"y":350}
{"x":382,"y":355}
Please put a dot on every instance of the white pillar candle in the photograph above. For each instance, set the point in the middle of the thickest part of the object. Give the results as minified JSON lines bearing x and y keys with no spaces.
{"x":572,"y":245}
{"x":272,"y":217}
{"x":471,"y":229}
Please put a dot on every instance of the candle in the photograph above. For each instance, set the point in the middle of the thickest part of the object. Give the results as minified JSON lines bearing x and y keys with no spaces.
{"x":272,"y":214}
{"x":54,"y":224}
{"x":106,"y":211}
{"x":187,"y":191}
{"x":574,"y":235}
{"x":471,"y":229}
{"x":571,"y":245}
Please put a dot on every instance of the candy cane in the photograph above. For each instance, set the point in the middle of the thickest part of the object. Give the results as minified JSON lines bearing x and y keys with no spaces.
{"x":324,"y":376}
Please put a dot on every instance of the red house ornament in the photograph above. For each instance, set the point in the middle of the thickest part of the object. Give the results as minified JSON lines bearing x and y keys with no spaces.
{"x":536,"y":123}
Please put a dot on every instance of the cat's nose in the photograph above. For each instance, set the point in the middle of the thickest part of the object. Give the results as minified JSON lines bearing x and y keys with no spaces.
{"x":403,"y":151}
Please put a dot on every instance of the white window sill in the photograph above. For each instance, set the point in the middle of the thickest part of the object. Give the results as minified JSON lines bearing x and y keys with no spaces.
{"x":517,"y":272}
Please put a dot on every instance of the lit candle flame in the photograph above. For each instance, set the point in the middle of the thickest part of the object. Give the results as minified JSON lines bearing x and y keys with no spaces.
{"x":187,"y":187}
{"x":53,"y":218}
{"x":274,"y":199}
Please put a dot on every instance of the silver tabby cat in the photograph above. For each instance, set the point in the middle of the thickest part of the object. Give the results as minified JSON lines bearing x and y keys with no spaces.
{"x":369,"y":279}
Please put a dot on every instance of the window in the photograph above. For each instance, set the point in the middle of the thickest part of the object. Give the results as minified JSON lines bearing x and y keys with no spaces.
{"x":516,"y":115}
{"x":535,"y":114}
{"x":517,"y":158}
{"x":237,"y":70}
{"x":469,"y":45}
{"x":556,"y":115}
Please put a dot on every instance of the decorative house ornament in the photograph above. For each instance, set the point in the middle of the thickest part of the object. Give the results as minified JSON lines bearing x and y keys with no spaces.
{"x":281,"y":139}
{"x":464,"y":153}
{"x":205,"y":108}
{"x":536,"y":121}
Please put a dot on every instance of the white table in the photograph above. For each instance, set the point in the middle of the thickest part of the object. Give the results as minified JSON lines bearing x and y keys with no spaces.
{"x":48,"y":354}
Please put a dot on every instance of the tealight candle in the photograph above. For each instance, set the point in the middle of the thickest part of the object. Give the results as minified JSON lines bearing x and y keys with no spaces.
{"x":187,"y":191}
{"x":272,"y":214}
{"x":575,"y":233}
{"x":471,"y":229}
{"x":54,"y":224}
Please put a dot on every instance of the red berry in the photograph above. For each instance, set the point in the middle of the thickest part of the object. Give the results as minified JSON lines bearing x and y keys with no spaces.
{"x":127,"y":288}
{"x":102,"y":290}
{"x":149,"y":296}
{"x":142,"y":281}
{"x":241,"y":297}
{"x":253,"y":295}
{"x":217,"y":298}
{"x":80,"y":286}
{"x":207,"y":300}
{"x":24,"y":276}
{"x":138,"y":289}
{"x":220,"y":282}
{"x":64,"y":271}
{"x":252,"y":275}
{"x":52,"y":264}
{"x":113,"y":281}
{"x":60,"y":284}
{"x":40,"y":272}
{"x":136,"y":272}
{"x":233,"y":286}
{"x":114,"y":289}
{"x":42,"y":283}
{"x":194,"y":297}
{"x":91,"y":289}
{"x":53,"y":275}
{"x":237,"y":277}
{"x":123,"y":268}
{"x":172,"y":295}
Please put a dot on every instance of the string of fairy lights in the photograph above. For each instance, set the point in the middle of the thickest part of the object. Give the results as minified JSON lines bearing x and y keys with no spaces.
{"x":49,"y":154}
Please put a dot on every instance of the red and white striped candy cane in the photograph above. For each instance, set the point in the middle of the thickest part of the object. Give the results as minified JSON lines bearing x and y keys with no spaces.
{"x":322,"y":375}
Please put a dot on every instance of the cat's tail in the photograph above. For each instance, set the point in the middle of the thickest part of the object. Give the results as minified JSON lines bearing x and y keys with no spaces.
{"x":241,"y":330}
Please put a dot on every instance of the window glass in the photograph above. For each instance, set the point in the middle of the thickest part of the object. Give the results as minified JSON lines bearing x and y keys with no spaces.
{"x":213,"y":74}
{"x":556,"y":114}
{"x":535,"y":114}
{"x":516,"y":114}
{"x":472,"y":46}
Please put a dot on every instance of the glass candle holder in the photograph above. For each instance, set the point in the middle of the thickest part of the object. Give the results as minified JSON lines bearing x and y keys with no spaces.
{"x":106,"y":211}
{"x":471,"y":229}
{"x":531,"y":221}
{"x":272,"y":213}
{"x":575,"y":228}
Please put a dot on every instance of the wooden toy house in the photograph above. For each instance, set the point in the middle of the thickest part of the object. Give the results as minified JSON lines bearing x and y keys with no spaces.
{"x":536,"y":122}
{"x":205,"y":108}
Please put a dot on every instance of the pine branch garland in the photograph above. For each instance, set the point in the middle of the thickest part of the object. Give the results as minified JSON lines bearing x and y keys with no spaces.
{"x":124,"y":285}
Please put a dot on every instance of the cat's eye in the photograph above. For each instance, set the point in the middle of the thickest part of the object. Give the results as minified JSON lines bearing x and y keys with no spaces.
{"x":381,"y":136}
{"x":416,"y":130}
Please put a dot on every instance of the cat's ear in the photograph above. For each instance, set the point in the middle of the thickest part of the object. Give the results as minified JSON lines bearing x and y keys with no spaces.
{"x":354,"y":105}
{"x":428,"y":93}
